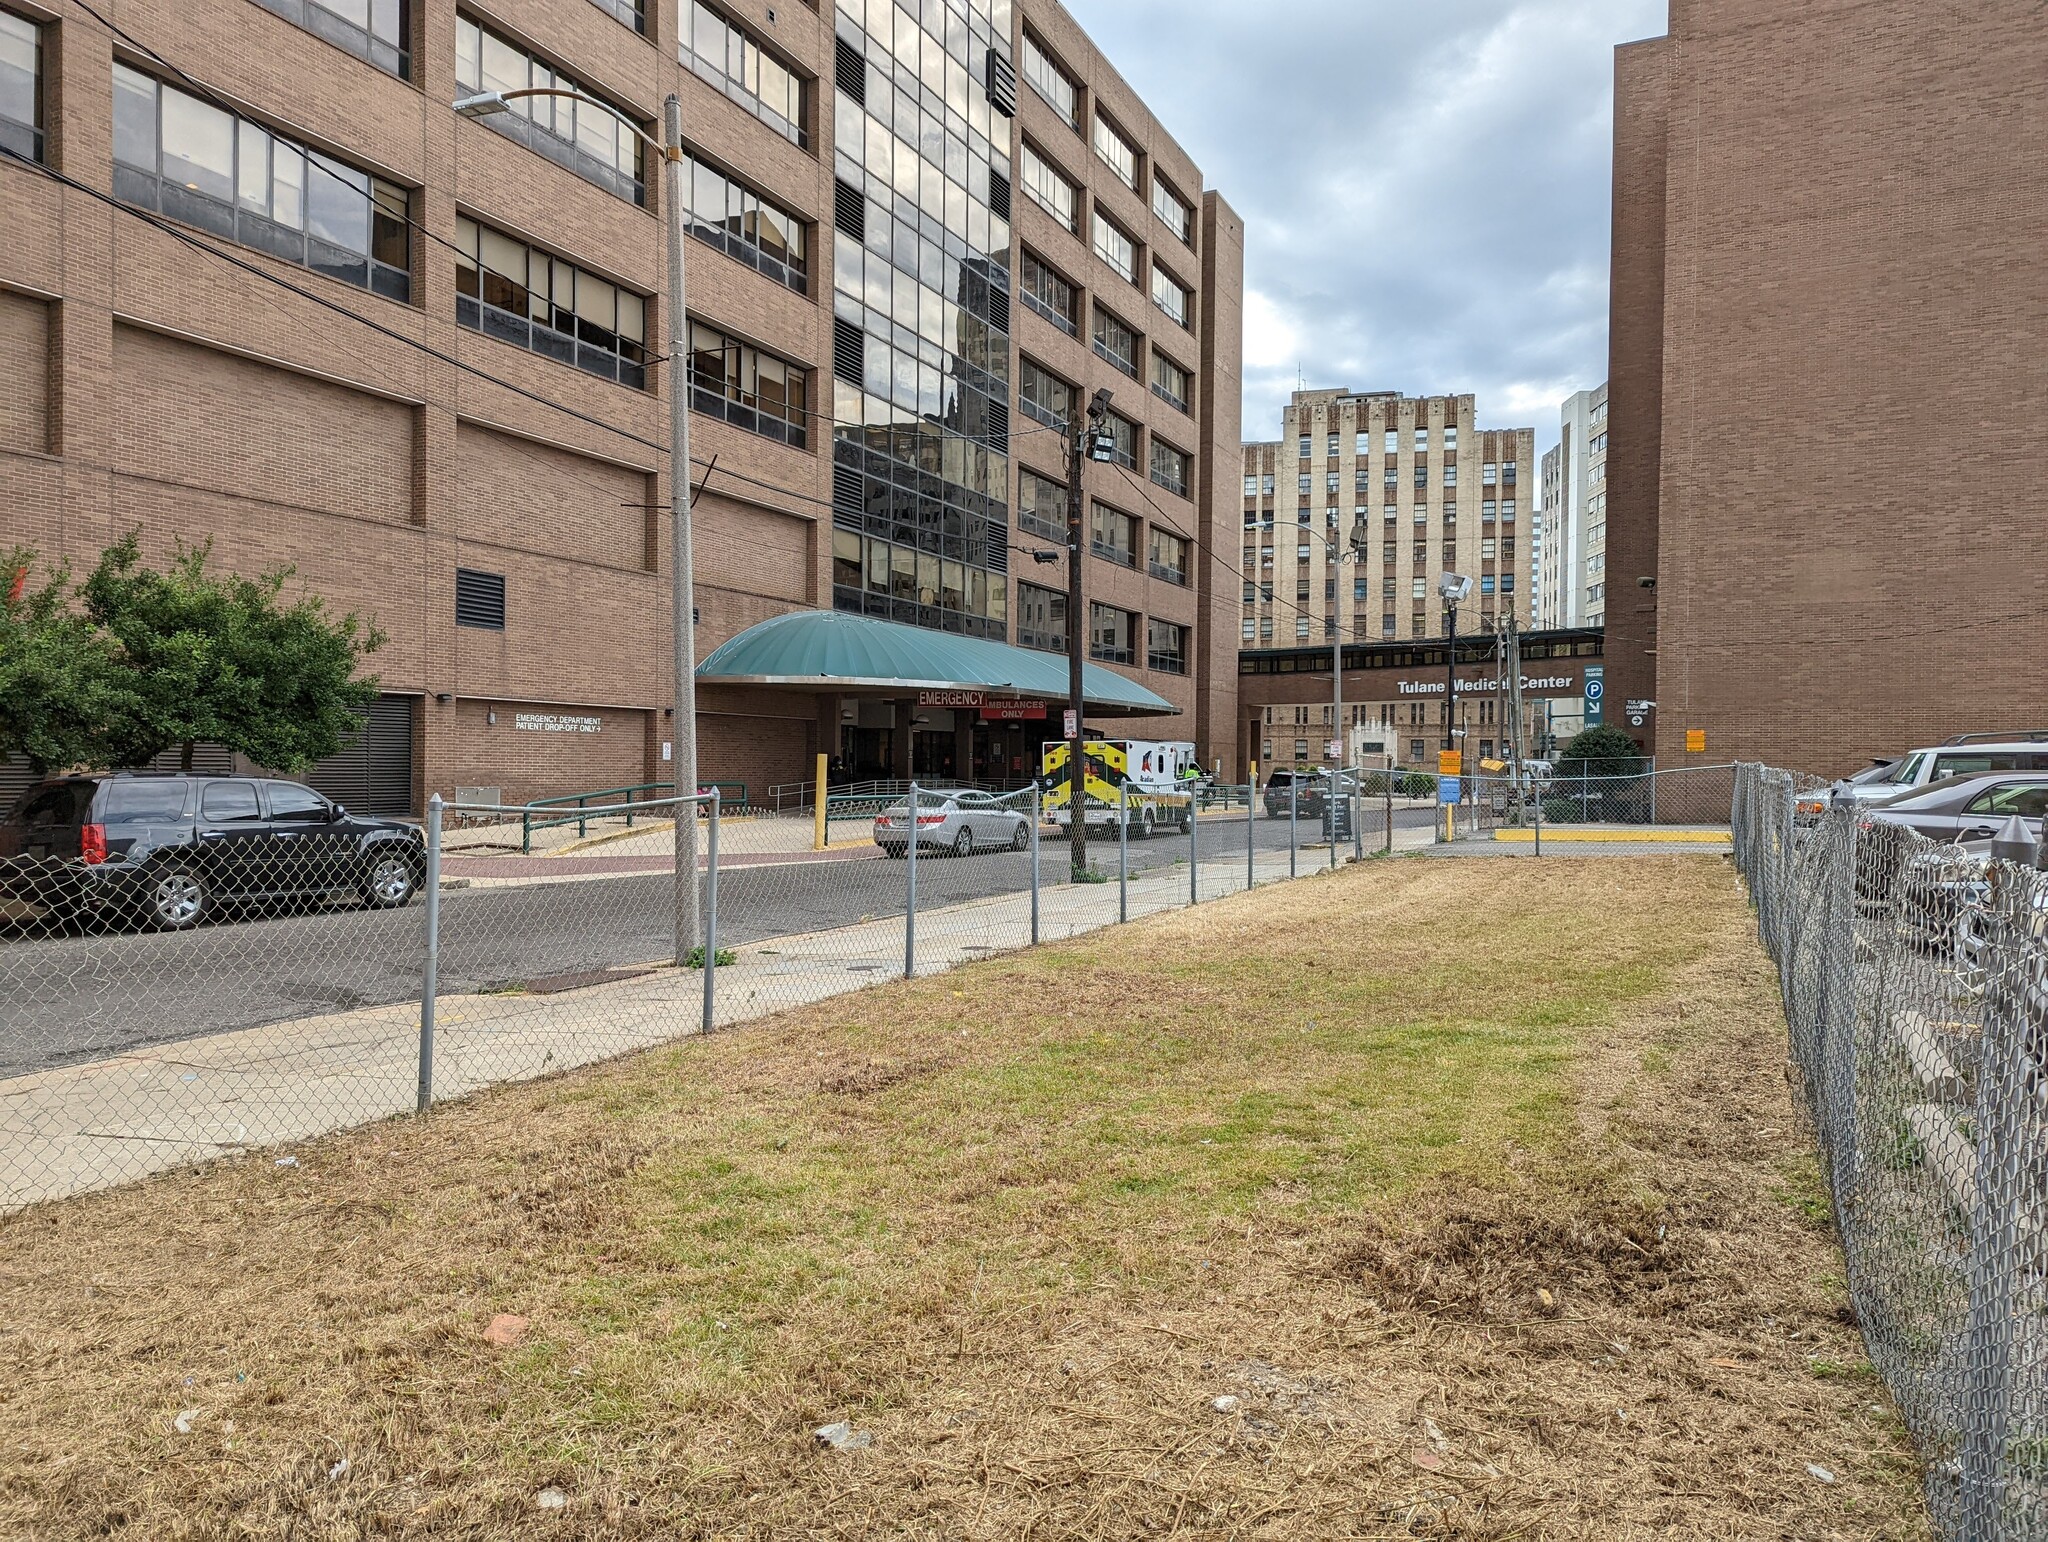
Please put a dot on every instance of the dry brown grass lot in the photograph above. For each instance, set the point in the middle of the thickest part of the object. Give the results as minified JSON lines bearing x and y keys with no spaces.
{"x":1476,"y":1186}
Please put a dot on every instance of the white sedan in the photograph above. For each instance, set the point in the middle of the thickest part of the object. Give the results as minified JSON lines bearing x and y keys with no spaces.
{"x":958,"y":822}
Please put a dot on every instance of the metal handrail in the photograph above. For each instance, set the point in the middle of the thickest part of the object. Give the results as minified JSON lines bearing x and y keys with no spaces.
{"x":663,"y":792}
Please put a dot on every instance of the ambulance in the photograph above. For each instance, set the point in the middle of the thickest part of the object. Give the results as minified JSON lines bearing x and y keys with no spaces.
{"x":1149,"y":782}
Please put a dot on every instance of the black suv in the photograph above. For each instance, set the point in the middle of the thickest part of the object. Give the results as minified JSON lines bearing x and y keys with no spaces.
{"x":171,"y":850}
{"x":1305,"y":789}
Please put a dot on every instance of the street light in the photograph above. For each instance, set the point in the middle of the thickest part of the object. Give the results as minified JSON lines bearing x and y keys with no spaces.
{"x":1360,"y":539}
{"x":1453,"y":587}
{"x":682,"y":574}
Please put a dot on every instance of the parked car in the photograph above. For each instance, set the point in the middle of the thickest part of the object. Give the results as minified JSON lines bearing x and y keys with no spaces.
{"x":1922,"y":768}
{"x":960,"y":822}
{"x":171,"y":851}
{"x":1307,"y":788}
{"x":1961,"y":809}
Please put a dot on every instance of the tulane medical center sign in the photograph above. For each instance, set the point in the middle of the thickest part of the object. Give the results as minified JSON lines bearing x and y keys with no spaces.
{"x":1481,"y":687}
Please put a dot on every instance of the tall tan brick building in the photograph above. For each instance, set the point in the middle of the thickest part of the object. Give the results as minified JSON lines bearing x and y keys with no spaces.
{"x":286,"y":300}
{"x":1829,"y":311}
{"x":1433,"y":492}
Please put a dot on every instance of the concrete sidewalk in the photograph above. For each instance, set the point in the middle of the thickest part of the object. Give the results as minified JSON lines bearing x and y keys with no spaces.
{"x":83,"y":1127}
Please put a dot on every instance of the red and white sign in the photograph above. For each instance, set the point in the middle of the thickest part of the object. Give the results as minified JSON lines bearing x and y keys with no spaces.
{"x":1013,"y":712}
{"x":1068,"y":726}
{"x":951,"y":698}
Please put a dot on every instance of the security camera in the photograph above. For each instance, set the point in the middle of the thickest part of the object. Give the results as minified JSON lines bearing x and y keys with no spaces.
{"x":1646,"y":583}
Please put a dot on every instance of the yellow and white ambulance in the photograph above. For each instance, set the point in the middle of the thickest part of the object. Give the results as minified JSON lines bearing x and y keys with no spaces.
{"x":1152,"y":783}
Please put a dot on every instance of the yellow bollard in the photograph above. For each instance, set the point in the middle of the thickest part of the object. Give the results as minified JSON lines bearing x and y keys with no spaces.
{"x":818,"y":814}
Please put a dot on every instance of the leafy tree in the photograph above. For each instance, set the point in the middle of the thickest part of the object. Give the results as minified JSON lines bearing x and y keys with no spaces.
{"x":66,"y":694}
{"x":225,"y":658}
{"x":1602,"y":751}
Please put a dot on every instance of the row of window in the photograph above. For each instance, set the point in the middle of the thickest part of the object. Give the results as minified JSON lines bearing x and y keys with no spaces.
{"x":203,"y":166}
{"x":513,"y":292}
{"x":1047,"y":293}
{"x":866,"y":564}
{"x":1057,"y":193}
{"x":598,"y":143}
{"x":1112,"y":631}
{"x":1390,"y":441}
{"x":1112,"y":534}
{"x":376,"y":30}
{"x":21,"y":86}
{"x":1420,"y":625}
{"x":724,"y":212}
{"x":1044,"y":396}
{"x":1490,"y":509}
{"x":1578,"y":643}
{"x":206,"y":167}
{"x":1063,"y":94}
{"x":730,"y":59}
{"x":1304,"y":483}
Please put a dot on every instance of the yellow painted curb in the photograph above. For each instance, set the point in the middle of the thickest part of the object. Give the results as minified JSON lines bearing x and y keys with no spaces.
{"x":1615,"y":837}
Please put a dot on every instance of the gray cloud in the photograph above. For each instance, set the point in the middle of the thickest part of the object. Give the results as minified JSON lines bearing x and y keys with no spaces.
{"x":1425,"y":187}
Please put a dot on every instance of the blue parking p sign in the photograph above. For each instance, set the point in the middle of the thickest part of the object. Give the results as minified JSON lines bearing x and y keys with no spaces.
{"x":1596,"y":692}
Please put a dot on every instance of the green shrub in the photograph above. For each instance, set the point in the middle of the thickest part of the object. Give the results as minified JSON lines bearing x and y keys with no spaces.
{"x":1418,"y":784}
{"x":1561,"y":811}
{"x":1603,"y":751}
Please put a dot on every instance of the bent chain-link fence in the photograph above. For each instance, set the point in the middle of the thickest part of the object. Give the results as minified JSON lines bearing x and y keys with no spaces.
{"x":264,"y":990}
{"x":1915,"y":980}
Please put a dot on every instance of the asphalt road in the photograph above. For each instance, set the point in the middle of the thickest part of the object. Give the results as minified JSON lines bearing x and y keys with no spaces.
{"x":77,"y":998}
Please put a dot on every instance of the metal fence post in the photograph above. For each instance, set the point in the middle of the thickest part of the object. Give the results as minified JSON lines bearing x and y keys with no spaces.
{"x":910,"y":892}
{"x":1123,"y":851}
{"x":1653,"y":789}
{"x":1251,"y":831}
{"x":1997,"y":1218}
{"x":1330,"y":819}
{"x":430,"y":974}
{"x":1539,"y":820}
{"x":1194,"y":851}
{"x":1037,"y":797}
{"x":1355,"y":801}
{"x":710,"y":908}
{"x":1293,"y":828}
{"x":1390,"y":809}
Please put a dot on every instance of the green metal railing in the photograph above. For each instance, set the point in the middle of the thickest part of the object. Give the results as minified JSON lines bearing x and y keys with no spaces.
{"x":733,"y":796}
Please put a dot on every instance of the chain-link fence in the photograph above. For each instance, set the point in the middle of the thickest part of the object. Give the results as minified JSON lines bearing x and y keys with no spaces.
{"x":1915,"y":981}
{"x":177,"y":984}
{"x":1575,"y":799}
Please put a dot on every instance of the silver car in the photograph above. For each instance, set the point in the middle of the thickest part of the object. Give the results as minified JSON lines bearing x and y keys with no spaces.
{"x":1961,"y":809}
{"x":1922,"y":768}
{"x":959,"y":822}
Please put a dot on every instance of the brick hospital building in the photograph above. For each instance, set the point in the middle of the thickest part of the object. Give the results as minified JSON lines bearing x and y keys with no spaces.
{"x":262,"y":286}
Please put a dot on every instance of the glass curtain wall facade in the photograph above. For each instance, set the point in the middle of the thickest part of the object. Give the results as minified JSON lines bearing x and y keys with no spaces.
{"x":921,"y":312}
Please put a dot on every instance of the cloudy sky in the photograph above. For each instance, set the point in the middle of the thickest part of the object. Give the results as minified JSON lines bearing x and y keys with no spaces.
{"x":1424,"y":187}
